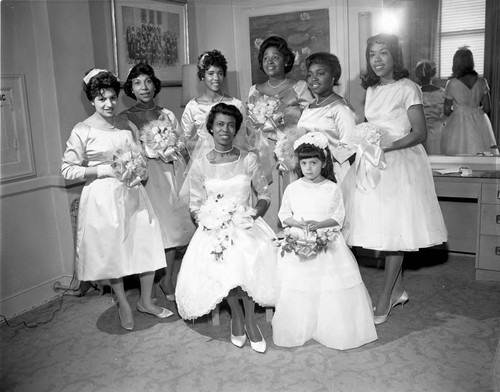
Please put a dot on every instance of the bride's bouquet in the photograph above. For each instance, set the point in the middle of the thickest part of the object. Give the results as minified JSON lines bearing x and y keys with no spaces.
{"x":306,"y":243}
{"x":161,"y":140}
{"x":368,"y":133}
{"x":220,"y":216}
{"x":263,"y":110}
{"x":129,"y":166}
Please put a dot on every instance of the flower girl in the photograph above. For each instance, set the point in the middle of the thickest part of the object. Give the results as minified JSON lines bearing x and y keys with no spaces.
{"x":320,"y":294}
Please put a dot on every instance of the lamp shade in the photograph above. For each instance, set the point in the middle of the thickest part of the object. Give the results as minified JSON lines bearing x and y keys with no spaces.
{"x":191,"y":86}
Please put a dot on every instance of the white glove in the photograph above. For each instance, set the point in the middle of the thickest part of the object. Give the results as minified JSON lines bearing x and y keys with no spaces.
{"x":105,"y":171}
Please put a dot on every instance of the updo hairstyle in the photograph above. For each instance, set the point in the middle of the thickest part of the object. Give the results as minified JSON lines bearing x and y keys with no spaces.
{"x":228,"y":110}
{"x":328,"y":59}
{"x":211,"y":58}
{"x":138,"y":70}
{"x":99,"y":82}
{"x":282,"y":46}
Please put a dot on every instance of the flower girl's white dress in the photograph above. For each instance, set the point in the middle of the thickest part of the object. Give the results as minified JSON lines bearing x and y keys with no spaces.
{"x":323,"y":297}
{"x":249,"y":262}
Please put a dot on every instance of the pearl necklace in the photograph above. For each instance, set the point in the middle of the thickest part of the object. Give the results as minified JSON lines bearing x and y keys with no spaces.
{"x":270,"y":85}
{"x":211,"y":101}
{"x":327,"y":98}
{"x":224,"y":152}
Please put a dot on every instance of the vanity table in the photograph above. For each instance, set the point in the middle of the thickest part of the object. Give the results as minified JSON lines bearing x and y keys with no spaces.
{"x":471,"y":210}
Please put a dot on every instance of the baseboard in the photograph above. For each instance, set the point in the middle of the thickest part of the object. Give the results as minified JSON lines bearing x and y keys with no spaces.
{"x":29,"y":299}
{"x":487,"y":275}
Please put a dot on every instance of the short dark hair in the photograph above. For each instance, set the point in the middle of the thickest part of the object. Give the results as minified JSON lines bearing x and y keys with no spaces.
{"x":98,"y":82}
{"x":328,"y":59}
{"x":463,"y":63}
{"x":138,"y":70}
{"x":282,"y":46}
{"x":228,"y":110}
{"x":307,"y":150}
{"x":392,"y":42}
{"x":211,"y":58}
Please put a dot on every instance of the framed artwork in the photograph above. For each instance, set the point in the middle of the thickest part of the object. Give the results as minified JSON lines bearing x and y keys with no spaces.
{"x":152,"y":31}
{"x":17,"y":160}
{"x":307,"y":26}
{"x":306,"y":32}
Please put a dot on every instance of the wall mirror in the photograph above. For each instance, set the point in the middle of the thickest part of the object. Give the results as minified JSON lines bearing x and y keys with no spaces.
{"x":434,"y":30}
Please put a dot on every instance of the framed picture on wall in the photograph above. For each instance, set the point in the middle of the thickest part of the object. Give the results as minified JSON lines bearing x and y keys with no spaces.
{"x":152,"y":31}
{"x":307,"y":26}
{"x":306,"y":32}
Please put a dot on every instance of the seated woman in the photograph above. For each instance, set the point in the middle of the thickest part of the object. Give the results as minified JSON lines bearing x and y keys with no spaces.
{"x":231,"y":253}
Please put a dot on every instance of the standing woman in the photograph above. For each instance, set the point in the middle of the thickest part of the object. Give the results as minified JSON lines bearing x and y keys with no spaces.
{"x":276,"y":61}
{"x":467,"y":101}
{"x":165,"y":178}
{"x":401,"y":213}
{"x":433,"y":101}
{"x":118,"y":232}
{"x":212,"y":69}
{"x":329,"y":114}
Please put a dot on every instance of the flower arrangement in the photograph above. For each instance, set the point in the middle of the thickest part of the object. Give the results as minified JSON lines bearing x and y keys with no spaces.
{"x":368,"y":133}
{"x":264,"y":109}
{"x":221,"y":215}
{"x":284,"y":150}
{"x":161,"y":140}
{"x":307,"y":245}
{"x":129,"y":166}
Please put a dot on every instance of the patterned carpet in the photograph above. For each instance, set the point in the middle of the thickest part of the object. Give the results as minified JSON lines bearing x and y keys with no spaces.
{"x":446,"y":339}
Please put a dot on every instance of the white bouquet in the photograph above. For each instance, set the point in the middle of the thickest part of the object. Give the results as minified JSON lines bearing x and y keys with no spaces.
{"x":161,"y":140}
{"x":221,"y":215}
{"x":306,"y":243}
{"x":264,"y":109}
{"x":129,"y":166}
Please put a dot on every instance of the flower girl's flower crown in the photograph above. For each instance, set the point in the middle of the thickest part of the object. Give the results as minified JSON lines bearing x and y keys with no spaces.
{"x":317,"y":139}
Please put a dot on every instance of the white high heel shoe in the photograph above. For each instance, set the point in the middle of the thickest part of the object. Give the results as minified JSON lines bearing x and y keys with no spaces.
{"x":238,"y":341}
{"x":260,"y":346}
{"x":403,"y":298}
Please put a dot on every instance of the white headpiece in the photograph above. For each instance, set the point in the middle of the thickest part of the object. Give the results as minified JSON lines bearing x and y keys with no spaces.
{"x":93,"y":73}
{"x":317,"y":139}
{"x":202,"y":58}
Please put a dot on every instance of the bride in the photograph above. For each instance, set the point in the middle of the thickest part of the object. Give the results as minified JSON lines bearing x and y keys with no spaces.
{"x":231,"y":254}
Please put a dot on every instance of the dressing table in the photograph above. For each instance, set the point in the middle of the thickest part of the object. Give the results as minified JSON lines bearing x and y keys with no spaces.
{"x":471,"y":209}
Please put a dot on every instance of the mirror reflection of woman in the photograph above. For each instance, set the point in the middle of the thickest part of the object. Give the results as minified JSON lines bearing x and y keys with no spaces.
{"x":329,"y":113}
{"x":276,"y":60}
{"x":467,"y":102}
{"x":165,"y":179}
{"x":433,"y":100}
{"x":118,"y":232}
{"x":212,"y":70}
{"x":245,"y":267}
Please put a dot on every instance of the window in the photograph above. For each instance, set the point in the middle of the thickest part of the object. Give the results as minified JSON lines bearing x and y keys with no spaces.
{"x":462,"y":23}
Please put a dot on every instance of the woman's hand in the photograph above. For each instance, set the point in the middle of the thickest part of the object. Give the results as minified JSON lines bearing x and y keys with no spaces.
{"x":105,"y":171}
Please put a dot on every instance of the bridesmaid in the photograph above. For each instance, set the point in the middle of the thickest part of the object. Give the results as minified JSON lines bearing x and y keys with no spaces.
{"x":165,"y":179}
{"x":212,"y":69}
{"x":276,"y":61}
{"x":118,"y":232}
{"x":329,"y":114}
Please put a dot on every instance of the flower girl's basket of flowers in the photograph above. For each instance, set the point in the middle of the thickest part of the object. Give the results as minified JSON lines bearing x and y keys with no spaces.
{"x":264,"y":120}
{"x":129,"y":166}
{"x":221,"y":216}
{"x":306,"y":243}
{"x":370,"y":159}
{"x":161,"y":140}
